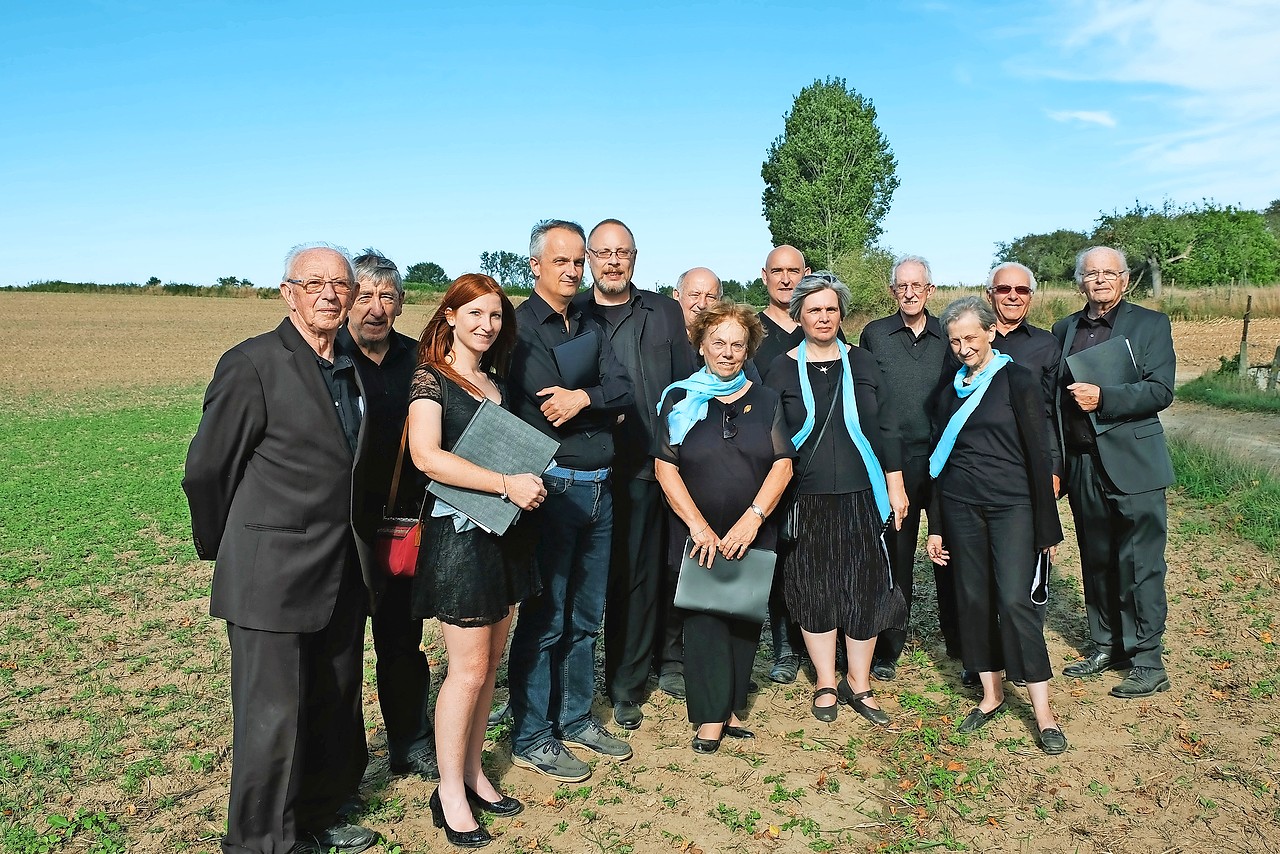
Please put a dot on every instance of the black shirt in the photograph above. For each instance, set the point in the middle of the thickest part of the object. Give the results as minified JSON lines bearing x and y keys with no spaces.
{"x":339,"y":378}
{"x":586,"y":440}
{"x":987,"y":465}
{"x":914,"y":366}
{"x":1077,"y":430}
{"x":778,"y":341}
{"x":1037,"y":350}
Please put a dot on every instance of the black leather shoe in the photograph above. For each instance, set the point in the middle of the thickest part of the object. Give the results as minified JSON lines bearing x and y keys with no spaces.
{"x":477,"y":838}
{"x":627,"y":714}
{"x":1142,"y":682}
{"x":705,"y":745}
{"x":970,"y":678}
{"x":1052,"y":741}
{"x":826,"y":714}
{"x":785,"y":669}
{"x":345,"y":838}
{"x":884,"y":670}
{"x":507,"y":806}
{"x":1093,"y":665}
{"x":977,"y":719}
{"x":423,"y":764}
{"x":737,"y":732}
{"x":858,"y":703}
{"x":672,"y":684}
{"x":351,"y":808}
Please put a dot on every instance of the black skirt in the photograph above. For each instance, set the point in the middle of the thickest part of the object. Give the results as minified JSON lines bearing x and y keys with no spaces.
{"x":837,"y":575}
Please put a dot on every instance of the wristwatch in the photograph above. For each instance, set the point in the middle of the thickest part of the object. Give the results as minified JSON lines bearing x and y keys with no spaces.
{"x":756,"y":510}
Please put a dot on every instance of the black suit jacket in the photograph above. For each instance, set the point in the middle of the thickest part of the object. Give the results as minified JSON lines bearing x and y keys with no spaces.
{"x":269,"y":480}
{"x":1133,"y":453}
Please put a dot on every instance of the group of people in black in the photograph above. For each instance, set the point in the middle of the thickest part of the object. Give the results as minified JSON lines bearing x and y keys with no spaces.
{"x":687,"y":427}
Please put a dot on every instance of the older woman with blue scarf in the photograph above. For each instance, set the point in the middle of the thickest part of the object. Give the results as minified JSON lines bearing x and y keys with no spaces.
{"x":837,"y":578}
{"x":994,"y":509}
{"x":723,"y":457}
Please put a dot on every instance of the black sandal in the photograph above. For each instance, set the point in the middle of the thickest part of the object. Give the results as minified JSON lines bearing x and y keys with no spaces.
{"x":826,"y":714}
{"x":856,"y":701}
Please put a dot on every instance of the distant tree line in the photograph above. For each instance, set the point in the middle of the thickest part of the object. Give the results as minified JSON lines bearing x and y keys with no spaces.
{"x":1191,"y":245}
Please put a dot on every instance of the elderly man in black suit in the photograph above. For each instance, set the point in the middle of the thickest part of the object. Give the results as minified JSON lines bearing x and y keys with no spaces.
{"x":269,"y":481}
{"x":1117,"y":470}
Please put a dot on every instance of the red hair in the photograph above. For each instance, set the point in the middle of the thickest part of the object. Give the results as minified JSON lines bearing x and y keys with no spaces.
{"x":437,"y":336}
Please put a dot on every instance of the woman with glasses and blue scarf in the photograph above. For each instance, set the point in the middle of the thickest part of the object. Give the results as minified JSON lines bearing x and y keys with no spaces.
{"x":836,"y":578}
{"x":723,"y":458}
{"x":993,"y":507}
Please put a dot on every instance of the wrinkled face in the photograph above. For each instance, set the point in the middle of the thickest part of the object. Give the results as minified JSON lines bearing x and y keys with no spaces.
{"x":1105,"y":279}
{"x":1010,"y":295}
{"x":476,"y":324}
{"x":910,"y":289}
{"x":969,"y":341}
{"x":612,"y":256}
{"x":783,"y":270}
{"x":699,"y":289}
{"x":374,"y":312}
{"x":820,"y":316}
{"x":724,"y":348}
{"x":320,"y":313}
{"x":558,"y":270}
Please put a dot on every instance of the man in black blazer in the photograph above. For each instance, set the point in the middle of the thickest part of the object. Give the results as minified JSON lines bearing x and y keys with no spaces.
{"x":269,"y":479}
{"x":1118,"y":467}
{"x":647,"y":333}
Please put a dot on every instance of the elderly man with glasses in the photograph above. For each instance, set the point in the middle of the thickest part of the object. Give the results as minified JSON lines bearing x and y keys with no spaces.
{"x":1118,"y":466}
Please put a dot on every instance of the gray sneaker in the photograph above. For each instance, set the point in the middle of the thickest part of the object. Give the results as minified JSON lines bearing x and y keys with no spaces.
{"x":597,"y":738}
{"x":550,"y":758}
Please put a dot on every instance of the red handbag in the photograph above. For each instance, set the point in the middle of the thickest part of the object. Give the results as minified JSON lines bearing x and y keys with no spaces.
{"x":397,"y":540}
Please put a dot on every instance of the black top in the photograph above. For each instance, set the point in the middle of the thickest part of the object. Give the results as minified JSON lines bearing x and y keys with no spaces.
{"x":586,"y":440}
{"x":1037,"y":350}
{"x":722,"y":474}
{"x":987,"y":464}
{"x":837,"y":467}
{"x":339,"y":378}
{"x":1077,"y":430}
{"x":776,"y":342}
{"x":914,"y":367}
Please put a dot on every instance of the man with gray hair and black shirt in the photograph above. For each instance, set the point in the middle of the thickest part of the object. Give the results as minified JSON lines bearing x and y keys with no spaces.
{"x":914,"y":357}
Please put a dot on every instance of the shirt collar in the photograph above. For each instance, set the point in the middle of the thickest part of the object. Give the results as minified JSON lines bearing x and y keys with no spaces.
{"x":543,"y":311}
{"x":931,"y":325}
{"x":1108,"y":320}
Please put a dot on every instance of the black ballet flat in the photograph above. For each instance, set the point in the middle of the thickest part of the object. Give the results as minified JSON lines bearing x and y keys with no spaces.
{"x":506,"y":806}
{"x":477,"y":838}
{"x":705,"y":745}
{"x":859,"y":705}
{"x":826,"y":714}
{"x":737,"y":732}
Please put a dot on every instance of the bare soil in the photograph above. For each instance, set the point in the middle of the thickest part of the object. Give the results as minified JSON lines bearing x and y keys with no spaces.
{"x":124,"y":688}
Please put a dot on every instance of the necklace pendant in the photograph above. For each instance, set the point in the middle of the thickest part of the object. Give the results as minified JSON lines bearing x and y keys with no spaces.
{"x":823,"y":368}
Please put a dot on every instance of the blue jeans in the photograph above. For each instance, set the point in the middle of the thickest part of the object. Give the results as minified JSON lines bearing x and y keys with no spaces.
{"x":551,"y":666}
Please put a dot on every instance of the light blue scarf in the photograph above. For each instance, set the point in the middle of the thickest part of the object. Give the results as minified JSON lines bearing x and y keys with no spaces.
{"x":702,"y":386}
{"x":972,"y":395}
{"x":875,"y":473}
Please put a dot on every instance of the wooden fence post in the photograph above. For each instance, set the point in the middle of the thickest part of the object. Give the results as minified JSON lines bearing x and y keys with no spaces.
{"x":1244,"y":338}
{"x":1274,"y":373}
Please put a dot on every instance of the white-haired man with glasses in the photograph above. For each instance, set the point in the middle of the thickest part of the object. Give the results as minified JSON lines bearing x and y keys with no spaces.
{"x":1118,"y":466}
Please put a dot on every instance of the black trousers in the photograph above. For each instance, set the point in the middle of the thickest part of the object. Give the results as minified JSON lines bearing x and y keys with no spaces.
{"x":298,"y":746}
{"x":993,"y":561}
{"x":718,"y":654}
{"x":635,"y":578}
{"x":1122,"y":542}
{"x":669,"y":655}
{"x":404,"y":677}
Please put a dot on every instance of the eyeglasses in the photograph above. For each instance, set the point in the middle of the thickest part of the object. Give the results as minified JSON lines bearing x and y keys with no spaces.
{"x":1099,"y":275}
{"x":314,"y":286}
{"x":730,"y":426}
{"x":1005,"y":290}
{"x":717,"y":346}
{"x":606,"y":254}
{"x":905,"y":287}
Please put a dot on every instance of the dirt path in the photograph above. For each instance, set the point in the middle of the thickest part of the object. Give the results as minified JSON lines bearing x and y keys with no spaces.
{"x":1251,"y":436}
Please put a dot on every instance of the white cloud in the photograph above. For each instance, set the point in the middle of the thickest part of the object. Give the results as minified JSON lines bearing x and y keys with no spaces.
{"x":1094,"y":117}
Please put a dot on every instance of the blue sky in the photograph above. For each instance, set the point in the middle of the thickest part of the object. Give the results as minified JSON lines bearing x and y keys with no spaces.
{"x":195,"y":140}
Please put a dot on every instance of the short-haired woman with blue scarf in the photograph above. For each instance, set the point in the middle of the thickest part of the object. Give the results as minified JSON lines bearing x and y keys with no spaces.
{"x":723,"y":457}
{"x":836,"y":578}
{"x":994,"y":509}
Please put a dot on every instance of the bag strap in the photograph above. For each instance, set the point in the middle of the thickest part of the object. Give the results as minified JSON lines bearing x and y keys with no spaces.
{"x":395,"y":477}
{"x":818,"y":441}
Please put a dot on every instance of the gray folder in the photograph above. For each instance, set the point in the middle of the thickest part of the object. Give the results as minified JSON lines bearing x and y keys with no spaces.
{"x":1108,"y":363}
{"x":501,"y":442}
{"x":737,"y":588}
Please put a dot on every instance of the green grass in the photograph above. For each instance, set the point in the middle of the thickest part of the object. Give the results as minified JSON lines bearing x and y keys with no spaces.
{"x":1246,"y":497}
{"x":1226,"y":389}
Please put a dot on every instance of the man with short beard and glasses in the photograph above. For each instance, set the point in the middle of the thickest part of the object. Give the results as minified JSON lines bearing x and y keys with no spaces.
{"x":646,"y":331}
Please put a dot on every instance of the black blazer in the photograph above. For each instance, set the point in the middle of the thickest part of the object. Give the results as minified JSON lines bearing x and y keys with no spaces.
{"x":1133,"y":453}
{"x":269,"y":480}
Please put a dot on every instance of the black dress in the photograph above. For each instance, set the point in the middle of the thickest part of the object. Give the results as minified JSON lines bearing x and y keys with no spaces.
{"x":723,"y":476}
{"x":474,"y":577}
{"x":837,"y":575}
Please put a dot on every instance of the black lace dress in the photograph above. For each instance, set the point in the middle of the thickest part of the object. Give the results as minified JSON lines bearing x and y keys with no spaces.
{"x":474,"y":577}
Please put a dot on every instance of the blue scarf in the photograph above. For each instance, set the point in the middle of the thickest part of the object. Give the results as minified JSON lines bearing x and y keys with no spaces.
{"x":875,"y":473}
{"x":972,"y":395}
{"x":702,"y":386}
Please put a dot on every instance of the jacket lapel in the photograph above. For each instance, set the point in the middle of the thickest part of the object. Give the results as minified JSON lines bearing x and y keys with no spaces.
{"x":314,"y":392}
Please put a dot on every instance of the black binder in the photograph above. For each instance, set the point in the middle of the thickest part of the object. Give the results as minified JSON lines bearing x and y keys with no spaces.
{"x":578,"y":361}
{"x":737,"y":588}
{"x":1108,"y":363}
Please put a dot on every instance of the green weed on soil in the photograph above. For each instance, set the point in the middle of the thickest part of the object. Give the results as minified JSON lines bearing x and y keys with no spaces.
{"x":1247,"y":497}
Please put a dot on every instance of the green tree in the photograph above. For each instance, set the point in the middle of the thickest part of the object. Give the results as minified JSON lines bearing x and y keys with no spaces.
{"x":228,"y":282}
{"x":427,"y":273}
{"x":830,"y":176}
{"x":1154,"y":239}
{"x":866,"y":272}
{"x":511,"y":269}
{"x":1271,"y":213}
{"x":1052,"y":256}
{"x":1230,"y":245}
{"x":152,"y":282}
